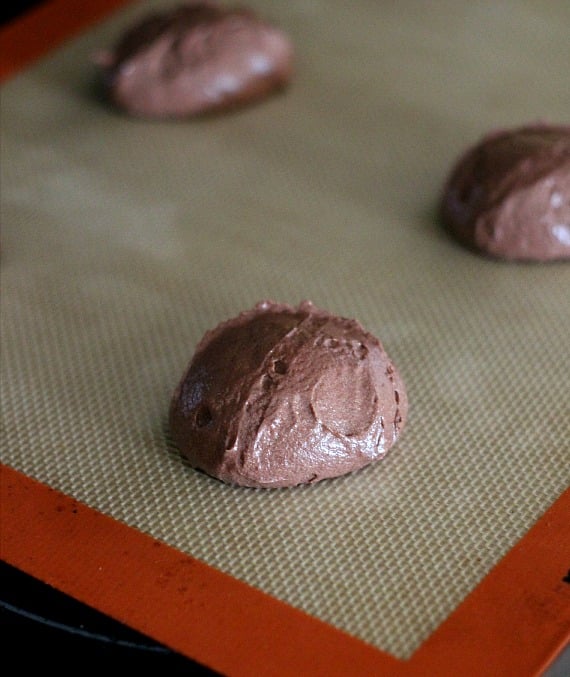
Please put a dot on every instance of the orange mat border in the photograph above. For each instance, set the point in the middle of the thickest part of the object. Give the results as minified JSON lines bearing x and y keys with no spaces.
{"x":515,"y":622}
{"x":45,"y":26}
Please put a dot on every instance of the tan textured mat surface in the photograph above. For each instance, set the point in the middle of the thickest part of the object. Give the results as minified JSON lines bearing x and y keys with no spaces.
{"x":123,"y":241}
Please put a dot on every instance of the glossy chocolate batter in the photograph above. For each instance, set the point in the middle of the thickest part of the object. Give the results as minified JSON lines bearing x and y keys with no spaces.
{"x":509,"y":196}
{"x":280,"y":396}
{"x":194,"y":59}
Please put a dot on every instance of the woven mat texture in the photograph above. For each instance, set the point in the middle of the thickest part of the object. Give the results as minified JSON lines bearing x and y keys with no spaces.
{"x":124,"y":240}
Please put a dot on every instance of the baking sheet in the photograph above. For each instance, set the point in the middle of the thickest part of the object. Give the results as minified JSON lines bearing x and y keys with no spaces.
{"x":124,"y":240}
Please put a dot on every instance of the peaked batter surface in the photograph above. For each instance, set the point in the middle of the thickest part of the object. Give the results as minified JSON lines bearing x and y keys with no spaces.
{"x":193,"y":59}
{"x":509,"y":195}
{"x":280,"y":396}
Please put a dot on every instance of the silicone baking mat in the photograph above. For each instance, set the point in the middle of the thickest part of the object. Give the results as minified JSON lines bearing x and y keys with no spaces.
{"x":124,"y":240}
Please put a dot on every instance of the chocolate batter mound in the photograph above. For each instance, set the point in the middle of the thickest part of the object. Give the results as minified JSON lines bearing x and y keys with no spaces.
{"x":280,"y":396}
{"x":509,"y":196}
{"x":193,"y":59}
